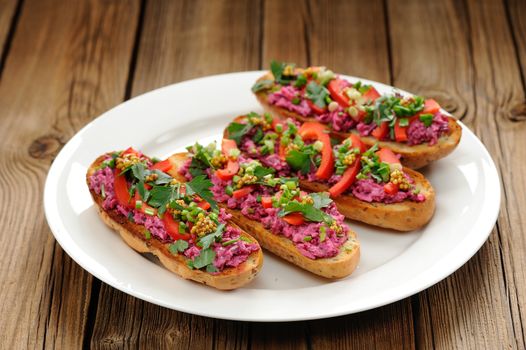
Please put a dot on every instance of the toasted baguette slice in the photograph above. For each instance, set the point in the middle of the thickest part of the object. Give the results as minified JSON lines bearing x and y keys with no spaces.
{"x":403,"y":216}
{"x":133,"y":235}
{"x":413,"y":157}
{"x":339,"y":266}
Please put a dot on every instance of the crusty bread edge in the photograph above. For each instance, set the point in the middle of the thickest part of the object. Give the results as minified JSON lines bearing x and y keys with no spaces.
{"x":413,"y":157}
{"x":404,"y":216}
{"x":229,"y":278}
{"x":339,"y":266}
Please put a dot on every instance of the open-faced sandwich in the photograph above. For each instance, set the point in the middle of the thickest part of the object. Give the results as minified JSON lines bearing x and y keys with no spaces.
{"x":179,"y":223}
{"x":367,"y":184}
{"x":411,"y":126}
{"x":305,"y":229}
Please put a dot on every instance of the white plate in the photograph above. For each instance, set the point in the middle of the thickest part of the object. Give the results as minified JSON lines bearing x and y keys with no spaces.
{"x":393,"y":265}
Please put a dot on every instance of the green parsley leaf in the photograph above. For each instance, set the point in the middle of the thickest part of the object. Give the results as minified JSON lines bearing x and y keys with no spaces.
{"x":147,"y":234}
{"x":299,"y":161}
{"x":197,"y":167}
{"x":261,"y":85}
{"x":403,"y":122}
{"x":161,"y":195}
{"x":211,"y":268}
{"x":301,"y":81}
{"x":236,"y":131}
{"x":321,"y":199}
{"x":143,"y":192}
{"x":200,"y":185}
{"x":277,"y":69}
{"x":258,"y":136}
{"x":427,"y":119}
{"x":206,"y":241}
{"x":309,"y":212}
{"x":162,"y":177}
{"x":206,"y":257}
{"x":317,"y":94}
{"x":139,"y":171}
{"x":178,"y":246}
{"x":261,"y":171}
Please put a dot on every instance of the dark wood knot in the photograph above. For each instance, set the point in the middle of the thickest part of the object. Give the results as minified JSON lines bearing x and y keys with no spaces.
{"x":518,"y":112}
{"x":46,"y":146}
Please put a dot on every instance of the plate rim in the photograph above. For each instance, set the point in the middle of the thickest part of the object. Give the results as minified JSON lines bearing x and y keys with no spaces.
{"x":61,"y":160}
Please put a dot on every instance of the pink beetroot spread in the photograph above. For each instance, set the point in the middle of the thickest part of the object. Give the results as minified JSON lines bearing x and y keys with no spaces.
{"x":283,"y":98}
{"x":249,"y":206}
{"x":230,"y":256}
{"x":369,"y":190}
{"x":365,"y":190}
{"x":339,"y":120}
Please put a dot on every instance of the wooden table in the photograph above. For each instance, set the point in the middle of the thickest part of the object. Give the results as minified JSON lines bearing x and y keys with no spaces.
{"x":63,"y":63}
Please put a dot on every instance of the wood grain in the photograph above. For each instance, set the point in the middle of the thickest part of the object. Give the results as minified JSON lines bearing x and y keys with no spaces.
{"x":351,"y":50}
{"x":188,"y":39}
{"x":460,"y":38}
{"x":350,"y":37}
{"x":63,"y":63}
{"x":7,"y":23}
{"x":63,"y":69}
{"x":180,"y":40}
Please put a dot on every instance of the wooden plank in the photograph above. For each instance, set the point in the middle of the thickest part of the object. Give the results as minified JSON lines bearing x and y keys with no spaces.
{"x":388,"y":327}
{"x":188,"y":39}
{"x":181,"y":40}
{"x":7,"y":22}
{"x":470,"y":67}
{"x":63,"y":69}
{"x":289,"y":335}
{"x":512,"y":136}
{"x":350,"y":37}
{"x":350,"y":49}
{"x":285,"y":33}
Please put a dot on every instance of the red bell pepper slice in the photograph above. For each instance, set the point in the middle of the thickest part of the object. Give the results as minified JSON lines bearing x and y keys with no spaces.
{"x":227,"y":145}
{"x":163,"y":166}
{"x":229,"y":172}
{"x":172,"y":227}
{"x":317,"y":109}
{"x":295,"y":219}
{"x":232,"y":166}
{"x":266,"y":202}
{"x":203,"y":205}
{"x":316,"y":131}
{"x":430,"y":106}
{"x":381,"y":131}
{"x":387,"y":156}
{"x":348,"y":178}
{"x":371,"y":95}
{"x":335,"y":88}
{"x":242,"y":192}
{"x":391,"y":188}
{"x":129,"y":150}
{"x":357,"y":143}
{"x":400,"y":132}
{"x":122,"y":194}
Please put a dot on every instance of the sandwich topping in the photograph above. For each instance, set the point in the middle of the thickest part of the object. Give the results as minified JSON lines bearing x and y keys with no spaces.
{"x":317,"y":92}
{"x":310,"y":221}
{"x":184,"y":216}
{"x":306,"y":152}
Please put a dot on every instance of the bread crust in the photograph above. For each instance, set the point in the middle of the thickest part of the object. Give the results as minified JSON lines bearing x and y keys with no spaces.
{"x":413,"y":157}
{"x":339,"y":266}
{"x":403,"y":216}
{"x":132,"y":234}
